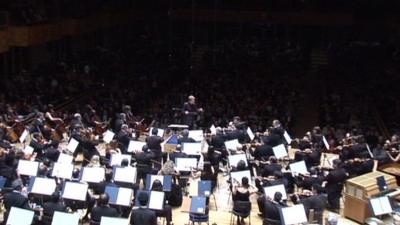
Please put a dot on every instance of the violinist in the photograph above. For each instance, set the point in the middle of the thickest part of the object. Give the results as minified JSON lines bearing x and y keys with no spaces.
{"x":315,"y":200}
{"x":124,"y":137}
{"x":335,"y":183}
{"x":185,"y":137}
{"x":121,"y":120}
{"x":306,"y":181}
{"x":76,"y":122}
{"x":44,"y":148}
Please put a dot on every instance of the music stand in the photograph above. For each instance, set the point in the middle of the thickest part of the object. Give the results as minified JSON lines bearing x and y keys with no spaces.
{"x":119,"y":196}
{"x":74,"y":191}
{"x":92,"y":174}
{"x":125,"y":174}
{"x":166,"y":181}
{"x":28,"y":168}
{"x":293,"y":215}
{"x":234,"y":159}
{"x":270,"y":191}
{"x":198,"y":205}
{"x":185,"y":164}
{"x":113,"y":221}
{"x":61,"y":218}
{"x":19,"y":216}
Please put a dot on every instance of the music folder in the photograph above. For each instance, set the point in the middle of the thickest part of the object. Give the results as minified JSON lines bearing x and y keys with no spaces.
{"x":232,"y":144}
{"x":326,"y":144}
{"x":287,"y":137}
{"x":42,"y":186}
{"x":108,"y":136}
{"x":92,"y":174}
{"x":72,"y":145}
{"x":28,"y":150}
{"x":271,"y":190}
{"x":238,"y":175}
{"x":136,"y":146}
{"x":19,"y":216}
{"x":65,"y":158}
{"x":234,"y":159}
{"x":205,"y":188}
{"x":250,"y":133}
{"x":62,"y":218}
{"x":191,"y":148}
{"x":75,"y":191}
{"x":197,"y":135}
{"x":198,"y":205}
{"x":165,"y":180}
{"x":23,"y":136}
{"x":185,"y":164}
{"x":298,"y":168}
{"x":160,"y":132}
{"x":380,"y":206}
{"x":213,"y":130}
{"x":125,"y":174}
{"x":156,"y":199}
{"x":113,"y":221}
{"x":116,"y":159}
{"x":280,"y":151}
{"x":293,"y":215}
{"x":62,"y":170}
{"x":119,"y":196}
{"x":28,"y":168}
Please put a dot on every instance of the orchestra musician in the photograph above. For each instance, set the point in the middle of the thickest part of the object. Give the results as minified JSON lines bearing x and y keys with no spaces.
{"x":190,"y":112}
{"x":154,"y":144}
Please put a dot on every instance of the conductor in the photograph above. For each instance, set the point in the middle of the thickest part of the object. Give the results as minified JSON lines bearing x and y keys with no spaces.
{"x":190,"y":112}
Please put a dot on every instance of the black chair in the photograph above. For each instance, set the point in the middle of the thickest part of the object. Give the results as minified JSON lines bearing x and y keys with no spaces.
{"x":241,"y":209}
{"x":46,"y":220}
{"x":267,"y":221}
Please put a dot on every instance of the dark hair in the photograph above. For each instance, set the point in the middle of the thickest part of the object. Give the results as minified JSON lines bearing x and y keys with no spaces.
{"x":154,"y":131}
{"x":241,"y":165}
{"x":143,"y":198}
{"x":157,"y":185}
{"x":125,"y":162}
{"x":278,"y":196}
{"x":273,"y":159}
{"x":103,"y":199}
{"x":185,"y":133}
{"x":245,"y":182}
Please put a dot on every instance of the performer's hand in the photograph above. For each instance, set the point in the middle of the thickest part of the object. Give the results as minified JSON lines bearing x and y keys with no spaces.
{"x":186,"y":112}
{"x":200,"y":110}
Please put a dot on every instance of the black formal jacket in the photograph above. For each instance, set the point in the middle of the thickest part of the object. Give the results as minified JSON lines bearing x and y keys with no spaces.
{"x":142,"y":216}
{"x":50,"y":207}
{"x":103,"y":210}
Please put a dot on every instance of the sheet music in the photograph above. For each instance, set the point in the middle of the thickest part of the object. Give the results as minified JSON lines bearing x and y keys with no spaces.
{"x":294,"y":215}
{"x":271,"y":190}
{"x":185,"y":164}
{"x":125,"y":174}
{"x":19,"y":216}
{"x":136,"y":146}
{"x":237,"y":176}
{"x":108,"y":136}
{"x":72,"y":145}
{"x":232,"y":144}
{"x":61,"y":218}
{"x":160,"y":132}
{"x":23,"y":136}
{"x":234,"y":159}
{"x":75,"y":191}
{"x":197,"y":135}
{"x":369,"y":151}
{"x":250,"y":133}
{"x":156,"y":177}
{"x":116,"y":159}
{"x":156,"y":200}
{"x":124,"y":196}
{"x":381,"y":206}
{"x":28,"y":150}
{"x":93,"y":174}
{"x":65,"y":158}
{"x":325,"y":143}
{"x":192,"y":148}
{"x":113,"y":221}
{"x":287,"y":137}
{"x":29,"y":168}
{"x":44,"y":186}
{"x":62,"y":170}
{"x":298,"y":168}
{"x":280,"y":151}
{"x":213,"y":130}
{"x":194,"y":188}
